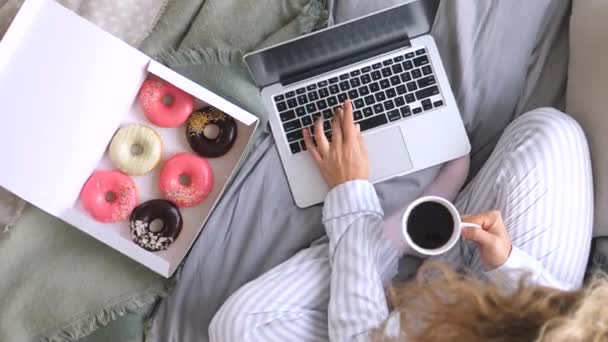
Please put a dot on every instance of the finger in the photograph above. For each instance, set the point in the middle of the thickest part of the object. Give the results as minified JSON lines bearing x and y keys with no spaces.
{"x":486,"y":220}
{"x":310,"y":146}
{"x":322,"y":143}
{"x":348,"y":122}
{"x":358,"y":134}
{"x":359,"y":137}
{"x":473,"y":218}
{"x":480,"y":236}
{"x":337,"y":127}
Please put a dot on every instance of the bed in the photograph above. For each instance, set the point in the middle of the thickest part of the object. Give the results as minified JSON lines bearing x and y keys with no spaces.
{"x":498,"y":70}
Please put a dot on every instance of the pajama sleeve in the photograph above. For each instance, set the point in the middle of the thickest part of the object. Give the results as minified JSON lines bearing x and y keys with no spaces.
{"x":362,"y":261}
{"x":521,"y":264}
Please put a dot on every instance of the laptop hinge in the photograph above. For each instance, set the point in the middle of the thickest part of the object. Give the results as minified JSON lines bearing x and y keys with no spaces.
{"x":342,"y":62}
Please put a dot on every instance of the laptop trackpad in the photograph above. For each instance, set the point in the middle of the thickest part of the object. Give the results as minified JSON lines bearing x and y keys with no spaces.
{"x":388,"y":154}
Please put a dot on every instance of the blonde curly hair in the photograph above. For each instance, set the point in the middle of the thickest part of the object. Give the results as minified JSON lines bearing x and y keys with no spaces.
{"x":588,"y":321}
{"x":442,"y":305}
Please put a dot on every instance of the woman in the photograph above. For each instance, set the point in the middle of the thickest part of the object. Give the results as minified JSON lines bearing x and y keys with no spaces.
{"x":538,"y":179}
{"x":445,"y":306}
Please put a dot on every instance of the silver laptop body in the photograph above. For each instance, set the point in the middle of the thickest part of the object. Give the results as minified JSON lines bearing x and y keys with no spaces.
{"x":388,"y":64}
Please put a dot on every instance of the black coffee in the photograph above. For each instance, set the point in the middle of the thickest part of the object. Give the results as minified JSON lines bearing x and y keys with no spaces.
{"x":430,"y":225}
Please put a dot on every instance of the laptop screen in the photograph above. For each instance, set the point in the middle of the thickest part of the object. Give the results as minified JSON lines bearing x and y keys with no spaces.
{"x":343,"y":44}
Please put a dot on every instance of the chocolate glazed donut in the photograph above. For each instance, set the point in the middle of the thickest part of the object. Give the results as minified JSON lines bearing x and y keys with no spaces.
{"x":155,"y":225}
{"x":200,"y":133}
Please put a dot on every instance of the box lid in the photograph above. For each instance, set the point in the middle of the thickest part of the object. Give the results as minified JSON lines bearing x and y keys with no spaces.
{"x":65,"y":85}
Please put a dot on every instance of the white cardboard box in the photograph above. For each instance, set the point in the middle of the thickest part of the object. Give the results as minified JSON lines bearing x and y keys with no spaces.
{"x":66,"y":86}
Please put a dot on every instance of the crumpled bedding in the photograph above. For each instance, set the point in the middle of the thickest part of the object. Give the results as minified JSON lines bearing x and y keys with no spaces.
{"x":503,"y":58}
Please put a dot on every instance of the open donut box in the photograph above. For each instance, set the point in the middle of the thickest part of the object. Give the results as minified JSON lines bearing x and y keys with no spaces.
{"x":66,"y":87}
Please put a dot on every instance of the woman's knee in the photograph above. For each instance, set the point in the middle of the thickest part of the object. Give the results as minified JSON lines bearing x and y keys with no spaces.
{"x":229,"y":323}
{"x":550,"y":122}
{"x":551,"y":129}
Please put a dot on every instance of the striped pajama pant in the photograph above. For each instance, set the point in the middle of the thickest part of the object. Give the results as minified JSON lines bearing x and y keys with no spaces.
{"x":539,"y":177}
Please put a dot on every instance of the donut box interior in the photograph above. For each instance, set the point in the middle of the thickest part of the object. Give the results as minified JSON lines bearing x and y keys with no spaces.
{"x":66,"y":87}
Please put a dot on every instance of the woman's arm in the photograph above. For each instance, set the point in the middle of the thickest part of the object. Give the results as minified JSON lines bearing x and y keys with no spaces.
{"x":362,"y":260}
{"x":521,"y":264}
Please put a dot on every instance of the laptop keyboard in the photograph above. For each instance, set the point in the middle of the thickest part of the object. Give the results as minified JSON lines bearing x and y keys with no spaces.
{"x":382,"y":93}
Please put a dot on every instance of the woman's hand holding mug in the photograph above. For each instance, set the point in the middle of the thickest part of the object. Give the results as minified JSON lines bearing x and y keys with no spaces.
{"x":493,"y":238}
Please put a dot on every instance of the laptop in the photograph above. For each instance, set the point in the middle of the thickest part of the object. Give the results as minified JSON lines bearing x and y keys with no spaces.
{"x":388,"y":65}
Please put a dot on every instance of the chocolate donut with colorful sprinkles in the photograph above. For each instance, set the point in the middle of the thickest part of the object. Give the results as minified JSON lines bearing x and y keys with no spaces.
{"x":211,"y":133}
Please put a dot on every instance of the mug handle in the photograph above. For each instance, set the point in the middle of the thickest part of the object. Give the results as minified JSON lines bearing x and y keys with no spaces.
{"x":469,"y":225}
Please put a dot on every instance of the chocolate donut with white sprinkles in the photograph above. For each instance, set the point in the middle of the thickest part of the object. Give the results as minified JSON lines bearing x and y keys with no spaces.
{"x":211,"y":133}
{"x":155,"y":225}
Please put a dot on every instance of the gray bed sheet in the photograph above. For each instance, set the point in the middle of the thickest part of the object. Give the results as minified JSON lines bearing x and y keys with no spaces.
{"x":503,"y":59}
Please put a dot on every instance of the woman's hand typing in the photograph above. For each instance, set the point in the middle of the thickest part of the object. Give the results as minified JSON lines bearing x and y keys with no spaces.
{"x":345,"y":158}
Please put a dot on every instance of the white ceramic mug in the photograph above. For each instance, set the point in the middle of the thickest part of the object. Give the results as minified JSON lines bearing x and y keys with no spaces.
{"x":456,"y":229}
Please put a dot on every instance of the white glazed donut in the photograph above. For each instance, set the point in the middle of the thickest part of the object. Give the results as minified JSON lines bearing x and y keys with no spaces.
{"x":136,"y":149}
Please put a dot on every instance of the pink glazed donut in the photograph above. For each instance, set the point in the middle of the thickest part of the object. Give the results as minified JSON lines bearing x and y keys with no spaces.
{"x":164,"y":104}
{"x":186,"y":179}
{"x":109,"y":196}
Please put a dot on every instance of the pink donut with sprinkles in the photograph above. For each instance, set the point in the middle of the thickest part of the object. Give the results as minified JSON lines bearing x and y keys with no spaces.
{"x":164,"y":104}
{"x":186,"y":180}
{"x":109,"y":196}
